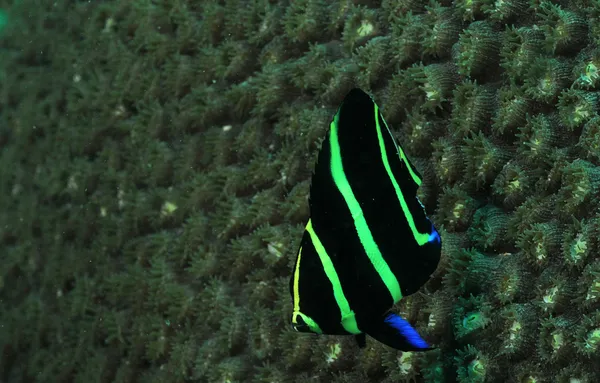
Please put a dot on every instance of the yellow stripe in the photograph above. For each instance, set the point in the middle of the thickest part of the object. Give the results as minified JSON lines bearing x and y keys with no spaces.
{"x":296,"y":286}
{"x":348,"y":319}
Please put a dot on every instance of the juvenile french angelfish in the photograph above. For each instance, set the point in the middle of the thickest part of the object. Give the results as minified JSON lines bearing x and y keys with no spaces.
{"x":368,"y":241}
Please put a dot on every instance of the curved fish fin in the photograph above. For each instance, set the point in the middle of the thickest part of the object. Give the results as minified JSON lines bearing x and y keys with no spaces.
{"x":397,"y":333}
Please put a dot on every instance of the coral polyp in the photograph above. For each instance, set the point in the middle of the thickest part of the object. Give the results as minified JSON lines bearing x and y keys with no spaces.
{"x":483,"y":159}
{"x":520,"y":47}
{"x":401,"y":95}
{"x":472,"y":107}
{"x":589,"y":140}
{"x":555,"y":291}
{"x":471,"y":317}
{"x":578,"y":243}
{"x":421,"y":130}
{"x":304,"y":20}
{"x":587,"y":335}
{"x":533,"y":210}
{"x":537,"y":137}
{"x":443,"y":27}
{"x":402,"y":366}
{"x":510,"y":280}
{"x":372,"y":59}
{"x":437,"y":82}
{"x":588,"y":69}
{"x":589,"y":286}
{"x":448,"y":160}
{"x":473,"y":365}
{"x":538,"y":242}
{"x":580,"y":184}
{"x":546,"y":78}
{"x":478,"y":271}
{"x":513,"y":184}
{"x":576,"y":107}
{"x":407,"y":37}
{"x":512,"y":110}
{"x":360,"y":26}
{"x":505,"y":10}
{"x":518,"y":330}
{"x":489,"y":227}
{"x":565,"y":30}
{"x":555,"y":341}
{"x":455,"y":259}
{"x":438,"y":313}
{"x":478,"y":48}
{"x":470,"y":9}
{"x":456,"y":209}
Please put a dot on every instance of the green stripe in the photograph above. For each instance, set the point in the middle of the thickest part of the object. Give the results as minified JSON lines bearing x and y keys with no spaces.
{"x":364,"y":233}
{"x":348,"y":319}
{"x":420,"y":238}
{"x":412,"y":172}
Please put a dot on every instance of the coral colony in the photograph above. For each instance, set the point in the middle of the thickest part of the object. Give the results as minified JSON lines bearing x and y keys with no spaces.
{"x":157,"y":159}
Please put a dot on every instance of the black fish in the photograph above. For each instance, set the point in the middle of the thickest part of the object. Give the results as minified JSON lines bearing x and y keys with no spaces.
{"x":368,"y":241}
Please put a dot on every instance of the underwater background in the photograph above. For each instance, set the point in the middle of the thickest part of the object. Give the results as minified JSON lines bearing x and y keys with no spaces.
{"x":155,"y":159}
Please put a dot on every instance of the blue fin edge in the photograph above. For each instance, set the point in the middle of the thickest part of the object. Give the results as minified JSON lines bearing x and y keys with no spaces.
{"x":406,"y":330}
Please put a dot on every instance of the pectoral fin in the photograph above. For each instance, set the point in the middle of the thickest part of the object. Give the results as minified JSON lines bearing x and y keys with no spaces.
{"x":397,"y":333}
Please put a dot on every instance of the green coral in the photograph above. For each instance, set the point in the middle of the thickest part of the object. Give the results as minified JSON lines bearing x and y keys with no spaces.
{"x":361,"y":25}
{"x":443,"y":28}
{"x":436,"y":82}
{"x":520,"y":47}
{"x":510,"y":280}
{"x":472,"y":365}
{"x":456,"y":208}
{"x":518,"y":330}
{"x":484,"y":159}
{"x":471,"y":317}
{"x":407,"y":32}
{"x":156,"y":160}
{"x":447,"y":160}
{"x":587,"y":343}
{"x":489,"y":227}
{"x":513,"y":184}
{"x":577,"y":107}
{"x":589,"y":140}
{"x":478,"y":48}
{"x":546,"y":78}
{"x":538,"y":137}
{"x":506,"y":10}
{"x":472,"y":107}
{"x":512,"y":110}
{"x":578,"y":242}
{"x":554,"y":342}
{"x":565,"y":30}
{"x":539,"y":242}
{"x":581,"y":182}
{"x":303,"y":21}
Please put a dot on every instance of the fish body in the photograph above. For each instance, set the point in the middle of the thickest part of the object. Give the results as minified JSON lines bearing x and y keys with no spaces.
{"x":368,"y":241}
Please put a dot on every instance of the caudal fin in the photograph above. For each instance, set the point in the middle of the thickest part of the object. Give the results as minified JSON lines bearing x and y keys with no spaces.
{"x":397,"y":333}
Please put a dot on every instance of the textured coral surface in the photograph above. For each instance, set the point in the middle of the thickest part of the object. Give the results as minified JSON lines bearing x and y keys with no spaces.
{"x":155,"y":159}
